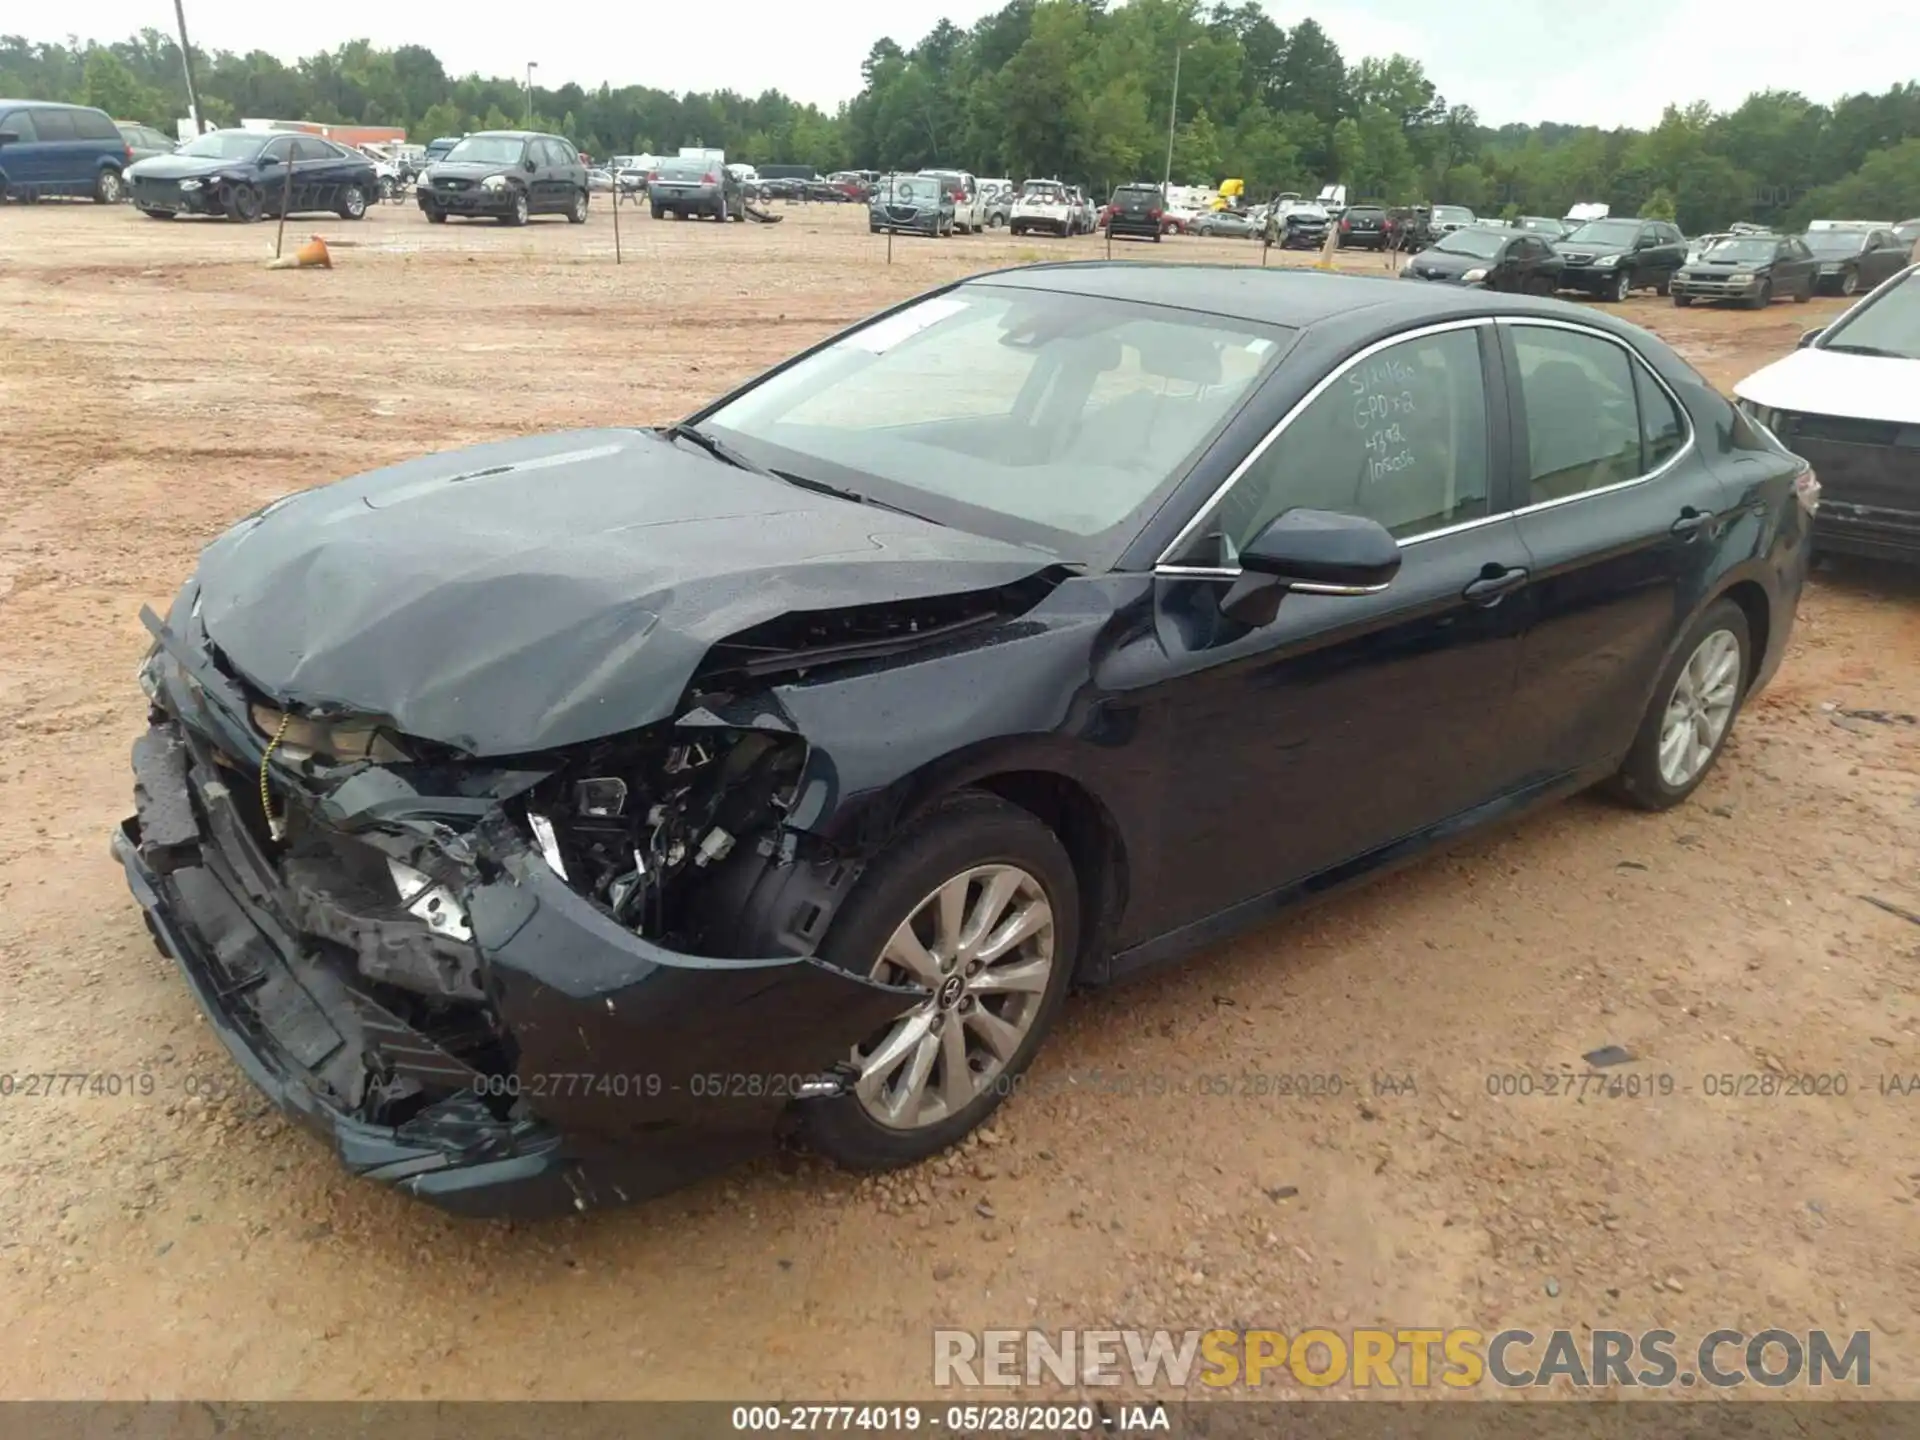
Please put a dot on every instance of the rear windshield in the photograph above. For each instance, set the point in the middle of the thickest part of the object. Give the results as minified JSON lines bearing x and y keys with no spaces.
{"x":683,"y":169}
{"x":1136,"y":192}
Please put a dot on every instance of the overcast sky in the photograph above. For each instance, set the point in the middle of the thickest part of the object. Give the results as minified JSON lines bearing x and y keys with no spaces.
{"x":1524,"y":60}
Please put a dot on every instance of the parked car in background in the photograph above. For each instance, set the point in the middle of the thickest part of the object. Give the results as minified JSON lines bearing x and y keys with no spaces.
{"x":599,"y":180}
{"x":1135,"y":212}
{"x":248,"y":175}
{"x":1754,"y":270}
{"x":969,"y":210}
{"x":1546,"y":227}
{"x":439,"y":149}
{"x":1489,"y":257}
{"x":911,"y":205}
{"x":1612,"y":258}
{"x":1364,"y":227}
{"x":853,"y":185}
{"x":842,"y":729}
{"x":1304,"y":227}
{"x":1452,"y":217}
{"x":1908,"y":231}
{"x":507,"y":175}
{"x":1235,"y":223}
{"x":1698,"y":245}
{"x":1086,"y":215}
{"x":1852,"y":261}
{"x":998,"y":196}
{"x":1409,"y":228}
{"x":1044,"y":207}
{"x":390,"y":176}
{"x":144,"y":142}
{"x":49,"y":150}
{"x":691,"y":188}
{"x":1848,"y":399}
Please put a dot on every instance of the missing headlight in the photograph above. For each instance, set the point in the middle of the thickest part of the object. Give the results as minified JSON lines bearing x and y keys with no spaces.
{"x":336,"y":741}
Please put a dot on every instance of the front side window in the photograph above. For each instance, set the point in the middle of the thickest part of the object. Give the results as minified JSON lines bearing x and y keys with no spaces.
{"x":1399,"y":437}
{"x":1047,"y":418}
{"x":1583,"y":423}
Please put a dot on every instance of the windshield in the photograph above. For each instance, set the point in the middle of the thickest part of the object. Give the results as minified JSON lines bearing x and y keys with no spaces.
{"x":1742,"y":252}
{"x":1032,"y":416}
{"x":1835,"y":242}
{"x":1481,"y":244}
{"x":1605,"y":232}
{"x":1887,"y":324}
{"x":225,"y":145}
{"x":910,"y":189}
{"x":487,"y":150}
{"x":1452,"y":212}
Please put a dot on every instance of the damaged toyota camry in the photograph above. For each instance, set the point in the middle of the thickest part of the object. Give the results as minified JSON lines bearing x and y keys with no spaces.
{"x":550,"y":823}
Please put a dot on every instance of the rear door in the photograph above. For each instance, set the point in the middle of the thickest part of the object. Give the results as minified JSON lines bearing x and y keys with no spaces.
{"x":60,"y":155}
{"x":1618,"y":517}
{"x":1884,"y":256}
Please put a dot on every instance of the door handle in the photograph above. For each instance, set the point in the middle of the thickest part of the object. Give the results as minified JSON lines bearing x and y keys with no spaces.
{"x":1492,"y":589}
{"x":1692,"y":521}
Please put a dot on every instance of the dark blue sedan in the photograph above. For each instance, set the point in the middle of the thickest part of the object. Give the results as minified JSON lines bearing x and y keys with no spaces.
{"x":251,"y":174}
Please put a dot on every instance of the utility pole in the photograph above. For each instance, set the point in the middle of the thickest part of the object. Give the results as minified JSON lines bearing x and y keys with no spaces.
{"x":531,"y":66}
{"x":186,"y":60}
{"x":1173,"y":118}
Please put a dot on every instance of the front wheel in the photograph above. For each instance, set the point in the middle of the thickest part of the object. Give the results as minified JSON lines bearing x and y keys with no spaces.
{"x":1683,"y":301}
{"x":353,"y":203}
{"x":520,"y":211}
{"x":976,"y":904}
{"x":1805,"y":292}
{"x":1850,"y":283}
{"x":244,"y":203}
{"x":436,"y":217}
{"x":577,"y":212}
{"x":1692,"y":711}
{"x":1763,"y":297}
{"x":109,"y":188}
{"x":1621,"y":288}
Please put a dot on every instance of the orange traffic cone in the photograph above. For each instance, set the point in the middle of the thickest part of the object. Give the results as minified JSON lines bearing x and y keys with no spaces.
{"x":310,"y":256}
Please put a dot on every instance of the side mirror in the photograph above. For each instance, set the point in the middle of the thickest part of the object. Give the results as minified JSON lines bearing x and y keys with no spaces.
{"x":1808,"y":337}
{"x":528,"y":165}
{"x":266,"y":160}
{"x":1318,"y":552}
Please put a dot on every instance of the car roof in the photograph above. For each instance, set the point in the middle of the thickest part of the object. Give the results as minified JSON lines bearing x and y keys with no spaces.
{"x":1298,"y":299}
{"x":510,"y":135}
{"x":46,"y":105}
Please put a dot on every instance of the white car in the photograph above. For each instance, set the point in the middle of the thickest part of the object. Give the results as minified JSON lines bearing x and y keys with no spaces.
{"x":1044,"y":206}
{"x":1848,"y":401}
{"x":969,"y":205}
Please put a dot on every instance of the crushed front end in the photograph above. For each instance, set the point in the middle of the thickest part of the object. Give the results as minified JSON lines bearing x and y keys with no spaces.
{"x":499,"y":985}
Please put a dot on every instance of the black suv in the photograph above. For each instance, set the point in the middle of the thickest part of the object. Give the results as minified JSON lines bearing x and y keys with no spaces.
{"x":1364,"y":227}
{"x":1753,"y":269}
{"x":1612,"y":258}
{"x":509,"y":175}
{"x":1136,"y":210}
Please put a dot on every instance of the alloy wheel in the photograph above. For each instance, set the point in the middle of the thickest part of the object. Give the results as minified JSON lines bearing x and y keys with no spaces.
{"x":983,"y":943}
{"x":1700,"y":708}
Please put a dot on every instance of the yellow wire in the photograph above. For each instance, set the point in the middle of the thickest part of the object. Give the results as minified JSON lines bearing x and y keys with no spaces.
{"x":266,"y":802}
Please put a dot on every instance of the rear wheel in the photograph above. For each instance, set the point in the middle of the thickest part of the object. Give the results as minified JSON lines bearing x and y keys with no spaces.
{"x":386,"y":187}
{"x":1805,"y":292}
{"x":353,"y":203}
{"x":1692,"y":712}
{"x":109,"y":188}
{"x":978,"y":905}
{"x":656,"y":211}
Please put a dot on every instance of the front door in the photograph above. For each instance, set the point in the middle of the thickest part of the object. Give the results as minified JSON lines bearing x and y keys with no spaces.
{"x":1350,"y":721}
{"x":1618,"y":525}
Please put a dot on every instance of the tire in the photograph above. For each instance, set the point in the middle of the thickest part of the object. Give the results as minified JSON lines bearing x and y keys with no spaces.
{"x":156,"y":214}
{"x":109,"y":187}
{"x":1763,"y":297}
{"x":1850,"y":282}
{"x":353,"y":203}
{"x":386,"y":187}
{"x":656,"y":211}
{"x":577,"y":211}
{"x":1683,"y":301}
{"x":1642,"y":781}
{"x":521,"y":210}
{"x":436,"y":217}
{"x":1665,"y":287}
{"x":1622,"y":286}
{"x":967,"y":832}
{"x":1805,"y":292}
{"x":244,"y":203}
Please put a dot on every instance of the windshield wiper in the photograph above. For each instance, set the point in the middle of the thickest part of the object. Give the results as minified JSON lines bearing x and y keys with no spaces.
{"x":1875,"y":350}
{"x":821,"y":487}
{"x":717,"y":448}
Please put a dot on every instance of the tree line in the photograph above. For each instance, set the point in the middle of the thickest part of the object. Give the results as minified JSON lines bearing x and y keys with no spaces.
{"x":1084,"y":91}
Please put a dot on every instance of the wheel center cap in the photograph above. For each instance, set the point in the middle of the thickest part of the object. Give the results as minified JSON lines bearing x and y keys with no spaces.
{"x":950,"y":991}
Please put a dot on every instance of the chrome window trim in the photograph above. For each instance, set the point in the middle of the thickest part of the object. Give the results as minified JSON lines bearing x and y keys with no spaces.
{"x":1515,"y":395}
{"x":1320,"y":387}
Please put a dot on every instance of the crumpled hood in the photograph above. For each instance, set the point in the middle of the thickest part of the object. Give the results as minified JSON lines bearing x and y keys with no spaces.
{"x":183,"y":167}
{"x":539,"y":592}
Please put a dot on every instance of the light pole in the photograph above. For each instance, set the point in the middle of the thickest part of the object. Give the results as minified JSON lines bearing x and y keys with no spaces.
{"x":532,"y":65}
{"x":186,"y":61}
{"x":1173,"y":117}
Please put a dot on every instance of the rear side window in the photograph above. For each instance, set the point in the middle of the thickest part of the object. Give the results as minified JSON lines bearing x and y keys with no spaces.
{"x":54,"y":125}
{"x":1663,"y":430}
{"x":312,"y":150}
{"x":1583,"y":424}
{"x":95,"y":125}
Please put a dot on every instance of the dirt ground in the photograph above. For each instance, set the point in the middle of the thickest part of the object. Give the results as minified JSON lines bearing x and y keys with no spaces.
{"x":156,"y":383}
